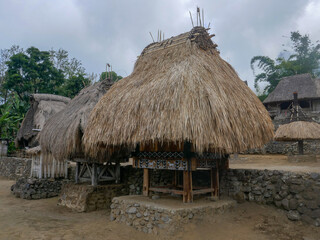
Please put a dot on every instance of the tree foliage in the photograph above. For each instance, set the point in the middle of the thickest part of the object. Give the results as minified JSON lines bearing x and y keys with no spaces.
{"x":114,"y":76}
{"x":304,"y":57}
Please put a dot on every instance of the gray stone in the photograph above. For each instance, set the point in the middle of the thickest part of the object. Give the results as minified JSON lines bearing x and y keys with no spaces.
{"x":132,"y":210}
{"x":293,"y":204}
{"x":311,"y":204}
{"x":190,"y":216}
{"x":293,"y":215}
{"x":315,"y":214}
{"x":166,"y":219}
{"x":138,"y":215}
{"x":285,"y":204}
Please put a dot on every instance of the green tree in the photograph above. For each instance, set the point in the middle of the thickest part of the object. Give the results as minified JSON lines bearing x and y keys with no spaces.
{"x":32,"y":72}
{"x":74,"y":84}
{"x":304,"y":58}
{"x":114,"y":76}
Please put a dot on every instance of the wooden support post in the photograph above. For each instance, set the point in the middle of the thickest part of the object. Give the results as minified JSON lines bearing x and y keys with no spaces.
{"x":117,"y":171}
{"x":300,"y":147}
{"x":146,"y":182}
{"x":175,"y":180}
{"x":215,"y":180}
{"x":187,"y":187}
{"x":77,"y":180}
{"x":94,"y":176}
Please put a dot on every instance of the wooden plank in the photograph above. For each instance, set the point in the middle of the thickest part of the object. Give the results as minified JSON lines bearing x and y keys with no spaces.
{"x":41,"y":166}
{"x":215,"y":181}
{"x":146,"y":182}
{"x":117,"y":171}
{"x":166,"y":190}
{"x":203,"y":191}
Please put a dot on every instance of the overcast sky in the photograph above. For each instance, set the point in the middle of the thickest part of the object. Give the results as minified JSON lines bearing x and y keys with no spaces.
{"x":101,"y":31}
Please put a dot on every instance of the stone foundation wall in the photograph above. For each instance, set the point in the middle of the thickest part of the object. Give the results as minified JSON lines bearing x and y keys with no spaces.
{"x":36,"y":188}
{"x":298,"y":194}
{"x":14,"y":168}
{"x":86,"y":198}
{"x":151,"y":218}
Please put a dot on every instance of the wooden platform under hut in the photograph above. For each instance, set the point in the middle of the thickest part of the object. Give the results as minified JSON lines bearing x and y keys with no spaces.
{"x":183,"y":108}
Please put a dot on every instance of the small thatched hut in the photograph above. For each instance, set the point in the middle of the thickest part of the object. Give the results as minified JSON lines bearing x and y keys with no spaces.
{"x":61,"y":136}
{"x":280,"y":99}
{"x":42,"y":107}
{"x":298,"y":130}
{"x":182,"y":108}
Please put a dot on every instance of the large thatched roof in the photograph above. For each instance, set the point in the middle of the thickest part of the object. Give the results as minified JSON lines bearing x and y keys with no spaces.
{"x":42,"y":107}
{"x":180,"y":89}
{"x":61,"y":135}
{"x":304,"y":84}
{"x":298,"y":130}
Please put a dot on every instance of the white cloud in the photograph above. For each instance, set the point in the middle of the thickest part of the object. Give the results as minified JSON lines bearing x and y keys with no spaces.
{"x":97,"y":31}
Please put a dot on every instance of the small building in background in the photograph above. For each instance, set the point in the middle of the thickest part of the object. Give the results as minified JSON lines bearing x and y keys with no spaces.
{"x":278,"y":102}
{"x":42,"y":107}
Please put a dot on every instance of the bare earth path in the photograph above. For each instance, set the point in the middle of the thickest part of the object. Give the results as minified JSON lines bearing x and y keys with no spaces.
{"x":43,"y":219}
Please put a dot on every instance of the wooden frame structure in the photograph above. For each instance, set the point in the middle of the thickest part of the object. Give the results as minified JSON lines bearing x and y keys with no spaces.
{"x":97,"y":172}
{"x":185,"y":162}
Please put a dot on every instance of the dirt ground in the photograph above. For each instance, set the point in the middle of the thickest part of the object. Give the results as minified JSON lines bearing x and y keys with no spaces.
{"x":43,"y":219}
{"x":273,"y":162}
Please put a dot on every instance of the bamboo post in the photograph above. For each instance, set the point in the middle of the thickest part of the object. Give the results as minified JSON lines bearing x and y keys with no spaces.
{"x":41,"y":166}
{"x":146,"y":182}
{"x":32,"y":166}
{"x":65,"y":168}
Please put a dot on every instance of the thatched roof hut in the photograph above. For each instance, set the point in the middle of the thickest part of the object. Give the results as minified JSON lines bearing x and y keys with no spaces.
{"x":304,"y":84}
{"x":299,"y":130}
{"x":42,"y":107}
{"x":61,"y":136}
{"x":180,"y":90}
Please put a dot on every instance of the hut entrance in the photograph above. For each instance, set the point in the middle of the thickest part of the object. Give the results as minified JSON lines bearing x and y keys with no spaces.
{"x":179,"y":159}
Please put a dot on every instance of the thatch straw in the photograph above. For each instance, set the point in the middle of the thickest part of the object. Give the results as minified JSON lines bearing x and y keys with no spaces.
{"x":178,"y":93}
{"x":299,"y":130}
{"x":34,"y":150}
{"x":42,"y":107}
{"x":62,"y":134}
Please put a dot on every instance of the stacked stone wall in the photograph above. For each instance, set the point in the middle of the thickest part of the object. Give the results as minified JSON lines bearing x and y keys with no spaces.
{"x":36,"y":188}
{"x":296,"y":193}
{"x":14,"y":168}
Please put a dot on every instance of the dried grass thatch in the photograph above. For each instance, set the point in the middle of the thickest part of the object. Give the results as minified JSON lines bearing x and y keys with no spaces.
{"x":62,"y":134}
{"x":180,"y":90}
{"x":34,"y":150}
{"x":42,"y":107}
{"x":299,"y":130}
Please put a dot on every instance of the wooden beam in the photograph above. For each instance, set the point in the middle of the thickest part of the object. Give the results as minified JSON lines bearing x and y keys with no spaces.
{"x":166,"y":190}
{"x":215,"y":180}
{"x":146,"y":182}
{"x":117,"y":171}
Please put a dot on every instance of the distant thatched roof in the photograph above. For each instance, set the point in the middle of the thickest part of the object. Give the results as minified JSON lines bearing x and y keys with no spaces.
{"x":42,"y":107}
{"x":299,"y":130}
{"x":61,"y":135}
{"x":304,"y":84}
{"x":180,"y":89}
